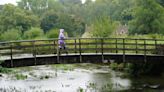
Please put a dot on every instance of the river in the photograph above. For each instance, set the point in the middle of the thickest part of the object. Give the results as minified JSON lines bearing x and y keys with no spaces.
{"x":76,"y":78}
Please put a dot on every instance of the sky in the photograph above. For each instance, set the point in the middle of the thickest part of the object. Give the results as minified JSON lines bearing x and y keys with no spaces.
{"x":14,"y":1}
{"x":8,"y":1}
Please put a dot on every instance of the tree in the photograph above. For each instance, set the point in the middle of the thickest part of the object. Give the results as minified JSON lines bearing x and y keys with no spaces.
{"x":14,"y":17}
{"x":36,"y":6}
{"x":148,"y":18}
{"x":72,"y":24}
{"x":55,"y":5}
{"x":39,"y":7}
{"x":103,"y":27}
{"x":66,"y":2}
{"x":49,"y":20}
{"x":161,"y":2}
{"x":118,"y":10}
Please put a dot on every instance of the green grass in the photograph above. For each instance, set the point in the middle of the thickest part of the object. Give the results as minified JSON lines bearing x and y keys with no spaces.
{"x":65,"y":67}
{"x":20,"y":76}
{"x":5,"y":70}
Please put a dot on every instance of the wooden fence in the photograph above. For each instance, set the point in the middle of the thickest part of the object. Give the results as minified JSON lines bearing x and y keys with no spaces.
{"x":33,"y":48}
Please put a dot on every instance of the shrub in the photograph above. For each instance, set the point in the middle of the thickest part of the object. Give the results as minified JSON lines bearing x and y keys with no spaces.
{"x":53,"y":33}
{"x":34,"y":33}
{"x":12,"y":34}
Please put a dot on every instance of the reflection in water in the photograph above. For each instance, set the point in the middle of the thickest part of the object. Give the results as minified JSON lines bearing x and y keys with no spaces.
{"x":79,"y":79}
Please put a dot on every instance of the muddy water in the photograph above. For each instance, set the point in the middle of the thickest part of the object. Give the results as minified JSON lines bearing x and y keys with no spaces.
{"x":74,"y":78}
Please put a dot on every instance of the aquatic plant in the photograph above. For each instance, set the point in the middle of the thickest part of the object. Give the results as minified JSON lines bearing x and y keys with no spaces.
{"x":20,"y":76}
{"x":44,"y":77}
{"x":65,"y":67}
{"x":107,"y":88}
{"x":5,"y":70}
{"x":113,"y":66}
{"x":80,"y":89}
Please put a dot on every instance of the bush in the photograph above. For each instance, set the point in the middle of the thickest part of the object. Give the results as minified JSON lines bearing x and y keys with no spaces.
{"x":53,"y":33}
{"x":103,"y":27}
{"x":5,"y":70}
{"x":12,"y":34}
{"x":34,"y":33}
{"x":21,"y":76}
{"x":114,"y":66}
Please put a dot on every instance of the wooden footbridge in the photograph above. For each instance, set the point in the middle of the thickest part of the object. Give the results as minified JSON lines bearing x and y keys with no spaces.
{"x":81,"y":50}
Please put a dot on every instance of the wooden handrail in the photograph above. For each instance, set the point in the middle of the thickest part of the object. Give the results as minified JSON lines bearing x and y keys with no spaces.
{"x":82,"y":45}
{"x":77,"y":38}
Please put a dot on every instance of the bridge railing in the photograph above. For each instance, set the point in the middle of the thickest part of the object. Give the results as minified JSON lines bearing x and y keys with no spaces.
{"x":34,"y":48}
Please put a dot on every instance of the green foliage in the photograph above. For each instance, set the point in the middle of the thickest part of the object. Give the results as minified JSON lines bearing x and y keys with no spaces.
{"x":5,"y":70}
{"x":114,"y":66}
{"x":49,"y":20}
{"x":73,"y":25}
{"x":137,"y":69}
{"x":148,"y":18}
{"x":55,"y":5}
{"x":118,"y":10}
{"x":13,"y":17}
{"x":34,"y":33}
{"x":36,"y":6}
{"x":53,"y":33}
{"x":161,"y":2}
{"x":64,"y":67}
{"x":45,"y":77}
{"x":70,"y":1}
{"x":20,"y":76}
{"x":80,"y":89}
{"x":10,"y":35}
{"x":103,"y":27}
{"x":145,"y":16}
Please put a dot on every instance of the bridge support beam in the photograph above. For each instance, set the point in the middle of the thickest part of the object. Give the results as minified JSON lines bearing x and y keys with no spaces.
{"x":87,"y":58}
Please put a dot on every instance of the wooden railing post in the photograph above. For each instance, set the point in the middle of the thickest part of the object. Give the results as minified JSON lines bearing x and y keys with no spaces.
{"x":102,"y":49}
{"x":156,"y":51}
{"x":145,"y":51}
{"x":54,"y":46}
{"x":80,"y":50}
{"x":136,"y":45}
{"x":34,"y":51}
{"x":96,"y":45}
{"x":11,"y":54}
{"x":58,"y":54}
{"x":123,"y":50}
{"x":75,"y":46}
{"x":116,"y":46}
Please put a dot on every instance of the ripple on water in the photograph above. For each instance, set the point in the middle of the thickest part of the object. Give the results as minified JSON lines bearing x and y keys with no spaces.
{"x":60,"y":80}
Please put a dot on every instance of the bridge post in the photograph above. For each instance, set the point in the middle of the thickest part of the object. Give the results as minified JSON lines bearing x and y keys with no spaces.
{"x":102,"y":49}
{"x":11,"y":54}
{"x":116,"y":46}
{"x":58,"y":58}
{"x":75,"y":46}
{"x":34,"y":51}
{"x":80,"y":50}
{"x":136,"y":46}
{"x":123,"y":50}
{"x":54,"y":46}
{"x":145,"y":51}
{"x":96,"y":45}
{"x":156,"y":46}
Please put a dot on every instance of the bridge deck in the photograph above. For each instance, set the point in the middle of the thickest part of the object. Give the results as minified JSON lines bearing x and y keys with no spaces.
{"x":23,"y":56}
{"x":83,"y":58}
{"x":81,"y":50}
